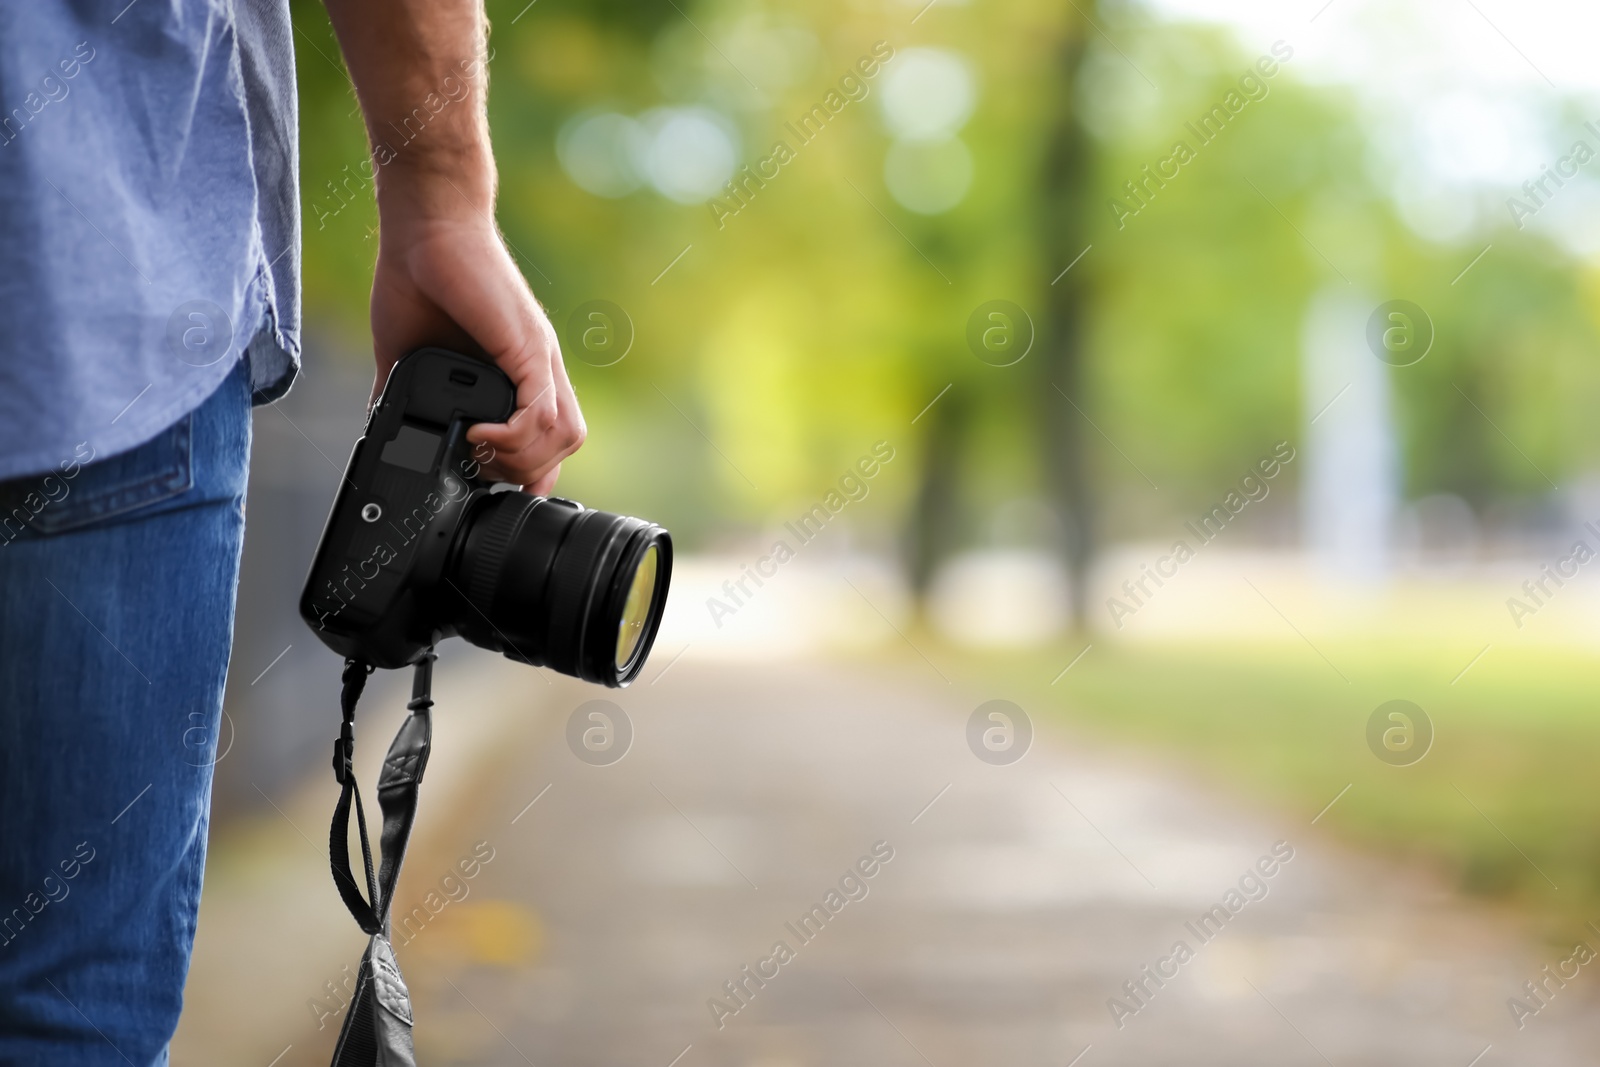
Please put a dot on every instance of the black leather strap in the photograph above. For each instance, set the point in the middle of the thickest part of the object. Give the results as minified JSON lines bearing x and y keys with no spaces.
{"x":355,"y":680}
{"x":377,"y":1028}
{"x":401,"y":778}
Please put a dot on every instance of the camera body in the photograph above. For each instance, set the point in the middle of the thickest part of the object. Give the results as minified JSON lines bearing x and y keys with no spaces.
{"x":377,"y":571}
{"x":419,"y":546}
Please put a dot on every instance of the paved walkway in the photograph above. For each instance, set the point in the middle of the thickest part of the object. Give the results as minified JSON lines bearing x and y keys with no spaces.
{"x":1018,"y":900}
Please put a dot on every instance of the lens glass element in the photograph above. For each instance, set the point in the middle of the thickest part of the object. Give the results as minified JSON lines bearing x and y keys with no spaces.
{"x":636,"y":611}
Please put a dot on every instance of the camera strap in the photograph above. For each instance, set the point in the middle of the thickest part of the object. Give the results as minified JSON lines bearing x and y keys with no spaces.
{"x":377,"y":1027}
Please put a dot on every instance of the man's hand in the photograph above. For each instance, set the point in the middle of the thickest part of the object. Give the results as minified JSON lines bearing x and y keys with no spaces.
{"x":444,"y":276}
{"x":450,"y":282}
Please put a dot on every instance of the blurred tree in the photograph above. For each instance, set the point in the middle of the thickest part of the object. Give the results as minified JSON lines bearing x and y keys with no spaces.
{"x":773,"y":347}
{"x":933,"y":532}
{"x":1068,"y":198}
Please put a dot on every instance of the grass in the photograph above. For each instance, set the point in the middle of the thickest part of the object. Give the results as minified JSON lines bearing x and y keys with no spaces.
{"x":1507,"y":799}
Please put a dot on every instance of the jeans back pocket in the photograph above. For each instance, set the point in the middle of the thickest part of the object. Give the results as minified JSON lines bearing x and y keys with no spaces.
{"x":82,"y":491}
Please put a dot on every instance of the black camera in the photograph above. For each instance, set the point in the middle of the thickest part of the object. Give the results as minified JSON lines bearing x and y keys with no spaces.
{"x":419,"y":547}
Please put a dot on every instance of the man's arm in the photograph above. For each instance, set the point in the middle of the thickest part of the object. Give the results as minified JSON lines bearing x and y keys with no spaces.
{"x":443,"y":274}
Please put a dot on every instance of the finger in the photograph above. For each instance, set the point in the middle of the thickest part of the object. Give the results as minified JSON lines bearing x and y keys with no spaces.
{"x":545,"y":485}
{"x":542,"y":429}
{"x":537,"y":460}
{"x":535,"y":418}
{"x":533,"y":462}
{"x":534,"y":370}
{"x":526,"y":424}
{"x":530,"y":460}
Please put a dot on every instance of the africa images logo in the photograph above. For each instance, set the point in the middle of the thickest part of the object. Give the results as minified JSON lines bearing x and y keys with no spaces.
{"x":1253,"y":487}
{"x":1252,"y":887}
{"x":1141,"y":192}
{"x":744,"y":185}
{"x":852,"y":885}
{"x":853,"y":486}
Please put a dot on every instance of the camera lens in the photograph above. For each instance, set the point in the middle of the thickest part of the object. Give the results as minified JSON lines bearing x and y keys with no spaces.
{"x":549,"y":582}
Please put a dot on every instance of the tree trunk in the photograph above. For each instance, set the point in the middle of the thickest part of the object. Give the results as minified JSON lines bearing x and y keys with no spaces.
{"x":1065,"y":194}
{"x":936,"y":515}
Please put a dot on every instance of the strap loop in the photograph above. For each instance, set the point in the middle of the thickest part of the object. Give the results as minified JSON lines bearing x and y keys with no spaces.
{"x":377,"y":1026}
{"x":397,"y":795}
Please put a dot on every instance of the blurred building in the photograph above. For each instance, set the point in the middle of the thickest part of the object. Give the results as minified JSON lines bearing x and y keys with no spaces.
{"x":1350,"y":488}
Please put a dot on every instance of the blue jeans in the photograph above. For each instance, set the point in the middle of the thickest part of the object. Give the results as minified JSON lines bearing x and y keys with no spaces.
{"x":117,"y":581}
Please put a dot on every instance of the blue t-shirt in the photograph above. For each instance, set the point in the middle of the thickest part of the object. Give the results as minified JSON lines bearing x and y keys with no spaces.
{"x":149,"y":219}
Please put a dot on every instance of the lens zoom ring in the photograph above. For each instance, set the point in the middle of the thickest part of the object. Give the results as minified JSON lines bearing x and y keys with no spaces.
{"x":570,"y":580}
{"x":493,"y":544}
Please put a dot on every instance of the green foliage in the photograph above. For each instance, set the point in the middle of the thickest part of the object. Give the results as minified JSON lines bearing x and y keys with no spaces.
{"x":1203,"y":295}
{"x":339,"y":222}
{"x":823,"y":316}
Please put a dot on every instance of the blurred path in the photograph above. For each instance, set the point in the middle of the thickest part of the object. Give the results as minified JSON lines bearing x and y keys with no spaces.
{"x":1018,"y":900}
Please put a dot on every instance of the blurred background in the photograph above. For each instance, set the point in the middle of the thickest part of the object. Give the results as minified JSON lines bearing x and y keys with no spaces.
{"x":1199,"y":379}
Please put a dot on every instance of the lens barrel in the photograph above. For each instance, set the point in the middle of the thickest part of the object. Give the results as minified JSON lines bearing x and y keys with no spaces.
{"x":548,"y":582}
